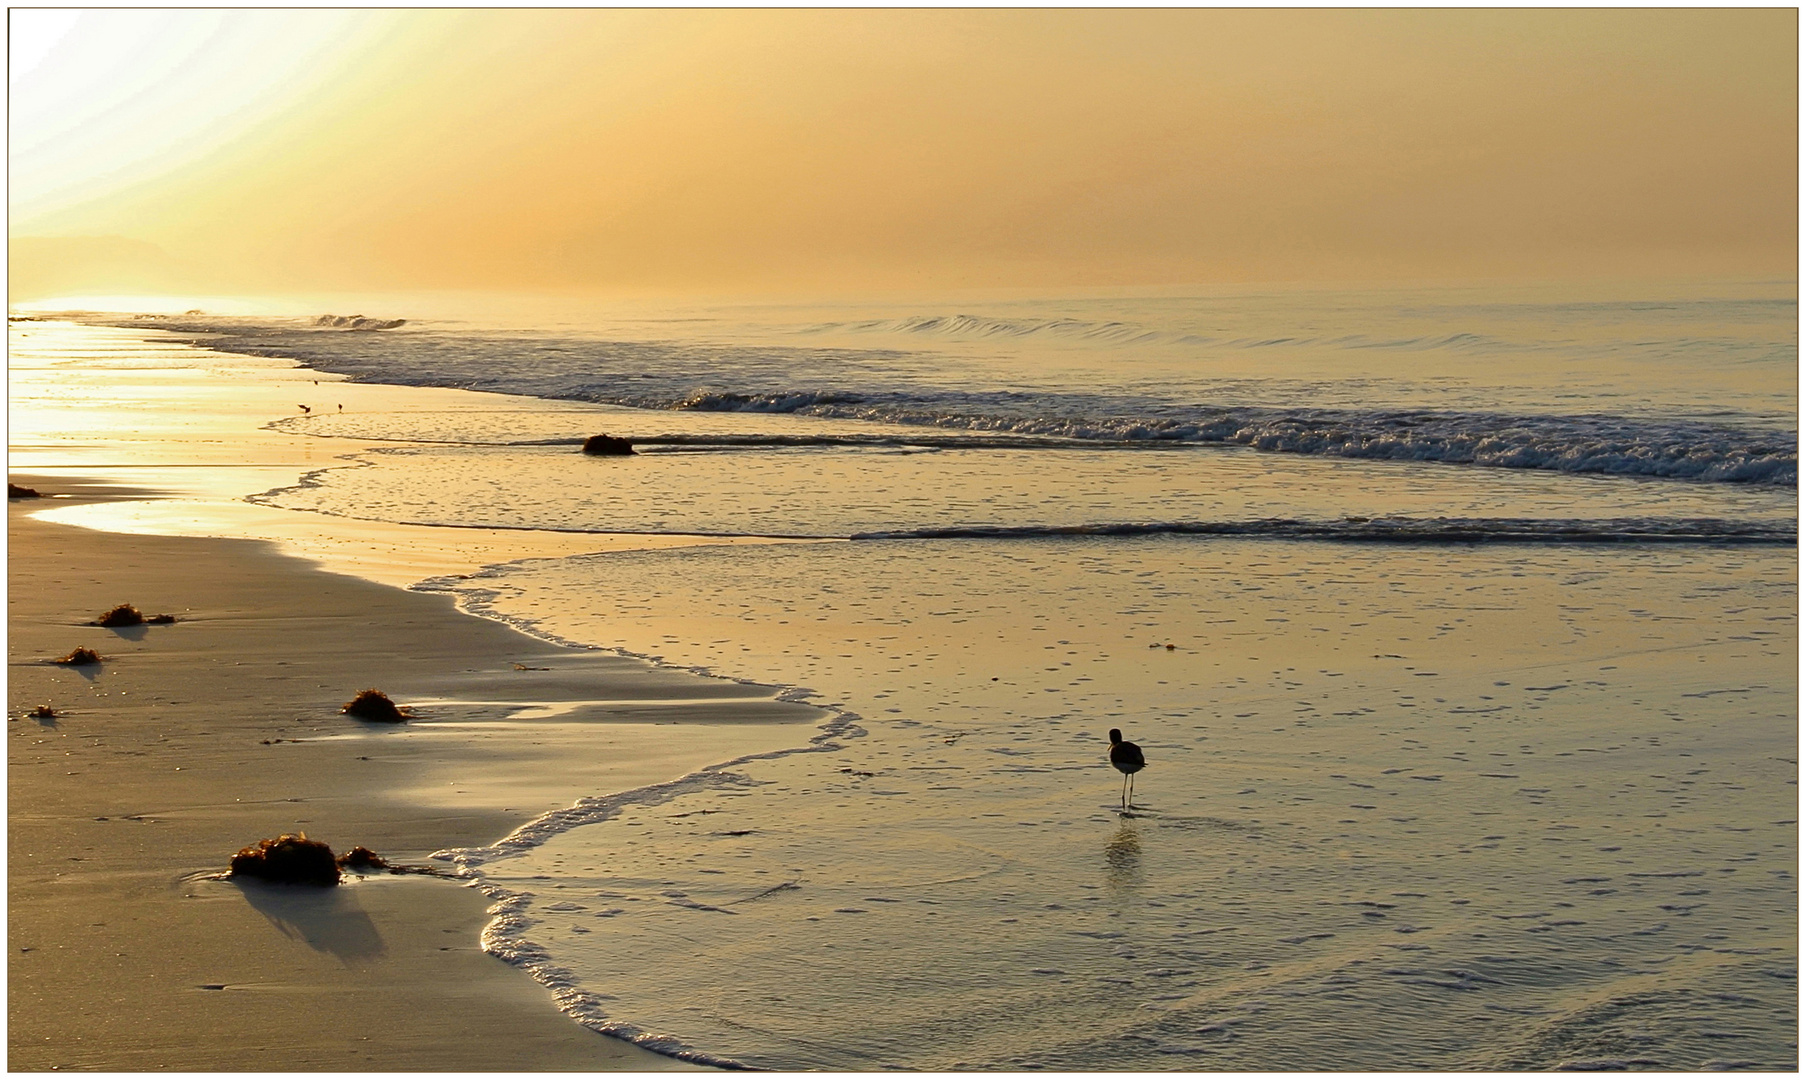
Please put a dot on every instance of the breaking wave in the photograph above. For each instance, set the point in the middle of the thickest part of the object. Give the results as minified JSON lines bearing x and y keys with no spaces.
{"x":890,"y":387}
{"x":1575,"y":444}
{"x":1406,"y":531}
{"x":357,"y":322}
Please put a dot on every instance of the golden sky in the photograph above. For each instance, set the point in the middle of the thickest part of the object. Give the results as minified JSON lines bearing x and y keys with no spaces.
{"x":813,"y":151}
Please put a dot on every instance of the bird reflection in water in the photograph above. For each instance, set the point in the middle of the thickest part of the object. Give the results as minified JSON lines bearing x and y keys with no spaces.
{"x":1122,"y":857}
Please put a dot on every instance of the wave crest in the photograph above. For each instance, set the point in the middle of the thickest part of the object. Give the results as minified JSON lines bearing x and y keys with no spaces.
{"x":1406,"y":530}
{"x":357,"y":322}
{"x":1605,"y":445}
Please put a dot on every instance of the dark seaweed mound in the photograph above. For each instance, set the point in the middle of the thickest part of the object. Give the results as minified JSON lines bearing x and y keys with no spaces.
{"x":607,"y":446}
{"x":362,"y":858}
{"x":291,"y":858}
{"x":123,"y":615}
{"x":374,"y":705}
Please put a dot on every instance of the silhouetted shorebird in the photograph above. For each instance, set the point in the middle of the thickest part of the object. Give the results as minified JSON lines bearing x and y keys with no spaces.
{"x":1126,"y":756}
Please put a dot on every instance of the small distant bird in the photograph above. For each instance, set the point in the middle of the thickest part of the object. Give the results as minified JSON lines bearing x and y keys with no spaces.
{"x":304,"y":408}
{"x":1126,"y":756}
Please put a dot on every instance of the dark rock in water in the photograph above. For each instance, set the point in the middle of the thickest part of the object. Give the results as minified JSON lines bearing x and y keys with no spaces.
{"x":374,"y":705}
{"x":14,"y":491}
{"x":362,"y":858}
{"x":80,"y":657}
{"x":291,"y":858}
{"x":606,"y":445}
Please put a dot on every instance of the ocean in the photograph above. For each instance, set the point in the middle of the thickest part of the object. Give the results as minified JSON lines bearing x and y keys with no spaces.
{"x":1459,"y":629}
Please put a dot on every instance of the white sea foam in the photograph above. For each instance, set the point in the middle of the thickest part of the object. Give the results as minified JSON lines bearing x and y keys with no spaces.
{"x":357,"y":322}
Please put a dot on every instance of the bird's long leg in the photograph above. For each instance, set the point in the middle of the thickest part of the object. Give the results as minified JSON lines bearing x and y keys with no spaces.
{"x":1125,"y":791}
{"x":1131,"y":791}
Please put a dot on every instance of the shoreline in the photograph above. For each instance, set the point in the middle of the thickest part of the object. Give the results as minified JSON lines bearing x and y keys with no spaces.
{"x":115,"y":937}
{"x":193,"y":740}
{"x":185,"y":755}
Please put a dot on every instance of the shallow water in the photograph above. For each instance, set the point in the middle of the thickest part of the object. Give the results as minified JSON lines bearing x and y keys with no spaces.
{"x":1388,"y":790}
{"x":1442,"y":803}
{"x":841,"y":491}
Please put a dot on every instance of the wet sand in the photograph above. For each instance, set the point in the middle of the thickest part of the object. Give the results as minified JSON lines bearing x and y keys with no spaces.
{"x":194,"y":739}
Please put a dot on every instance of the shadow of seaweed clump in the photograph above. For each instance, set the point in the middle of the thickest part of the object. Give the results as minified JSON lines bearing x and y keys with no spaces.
{"x":374,"y":705}
{"x":291,"y":858}
{"x":79,"y":657}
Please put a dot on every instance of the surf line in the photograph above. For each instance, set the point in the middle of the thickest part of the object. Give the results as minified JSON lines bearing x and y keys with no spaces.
{"x":1400,"y":530}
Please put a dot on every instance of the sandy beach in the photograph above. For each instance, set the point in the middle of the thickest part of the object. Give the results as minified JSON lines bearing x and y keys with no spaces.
{"x":192,"y":740}
{"x":161,"y":764}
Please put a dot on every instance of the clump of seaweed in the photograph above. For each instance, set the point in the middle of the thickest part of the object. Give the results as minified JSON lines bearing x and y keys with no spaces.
{"x":15,"y":491}
{"x":44,"y":712}
{"x":607,"y":446}
{"x":123,"y":615}
{"x":362,"y":858}
{"x":127,"y":615}
{"x":290,"y":858}
{"x":374,"y":705}
{"x":79,"y":657}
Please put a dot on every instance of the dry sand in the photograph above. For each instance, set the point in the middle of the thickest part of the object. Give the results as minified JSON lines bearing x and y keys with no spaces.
{"x":126,"y":956}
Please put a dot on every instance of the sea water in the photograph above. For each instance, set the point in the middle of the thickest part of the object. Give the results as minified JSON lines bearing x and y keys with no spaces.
{"x":1459,"y":630}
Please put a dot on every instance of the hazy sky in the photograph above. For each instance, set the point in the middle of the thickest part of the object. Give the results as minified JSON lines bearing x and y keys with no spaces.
{"x":803,"y":151}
